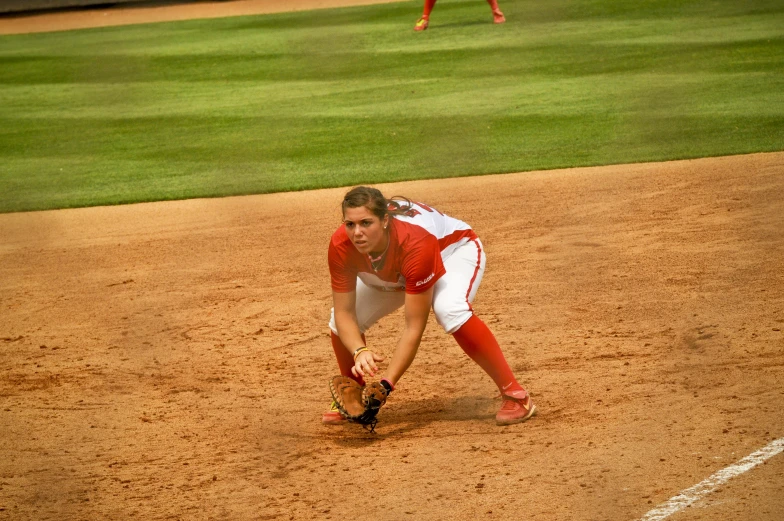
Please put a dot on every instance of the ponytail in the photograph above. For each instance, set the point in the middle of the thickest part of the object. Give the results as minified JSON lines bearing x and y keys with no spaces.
{"x":398,"y":205}
{"x":374,"y":200}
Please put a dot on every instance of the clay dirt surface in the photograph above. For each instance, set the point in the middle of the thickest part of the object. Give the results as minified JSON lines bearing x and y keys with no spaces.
{"x":170,"y":360}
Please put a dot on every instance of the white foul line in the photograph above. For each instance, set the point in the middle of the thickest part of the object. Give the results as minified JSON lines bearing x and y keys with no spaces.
{"x":705,"y":487}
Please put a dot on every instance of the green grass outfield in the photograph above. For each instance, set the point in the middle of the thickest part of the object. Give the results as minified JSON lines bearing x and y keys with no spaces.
{"x":346,"y":96}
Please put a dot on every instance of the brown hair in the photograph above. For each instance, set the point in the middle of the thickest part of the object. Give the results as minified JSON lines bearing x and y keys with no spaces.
{"x":374,"y":200}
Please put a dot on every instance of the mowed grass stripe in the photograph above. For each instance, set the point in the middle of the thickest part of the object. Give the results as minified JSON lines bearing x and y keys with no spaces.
{"x":338,"y":97}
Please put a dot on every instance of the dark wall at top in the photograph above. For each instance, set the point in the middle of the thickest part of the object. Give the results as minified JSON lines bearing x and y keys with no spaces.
{"x":16,"y":6}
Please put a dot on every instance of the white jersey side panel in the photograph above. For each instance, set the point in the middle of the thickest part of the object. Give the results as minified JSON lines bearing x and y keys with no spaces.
{"x":449,"y":231}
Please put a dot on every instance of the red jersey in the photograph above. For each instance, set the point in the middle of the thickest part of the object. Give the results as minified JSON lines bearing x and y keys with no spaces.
{"x":418,"y":243}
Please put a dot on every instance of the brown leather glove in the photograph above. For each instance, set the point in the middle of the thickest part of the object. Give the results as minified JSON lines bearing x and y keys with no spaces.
{"x":357,"y":403}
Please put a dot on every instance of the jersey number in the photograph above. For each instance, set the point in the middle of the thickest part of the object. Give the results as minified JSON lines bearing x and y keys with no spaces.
{"x":414,"y":212}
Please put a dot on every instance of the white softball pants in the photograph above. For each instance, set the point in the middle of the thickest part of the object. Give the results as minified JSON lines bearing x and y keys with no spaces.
{"x":452,"y":295}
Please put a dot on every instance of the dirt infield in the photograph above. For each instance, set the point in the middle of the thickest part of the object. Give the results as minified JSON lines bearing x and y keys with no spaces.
{"x":169,"y":360}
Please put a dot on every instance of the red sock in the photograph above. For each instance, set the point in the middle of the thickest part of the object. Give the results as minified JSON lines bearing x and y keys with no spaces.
{"x":345,"y":360}
{"x":479,"y":343}
{"x":493,"y":4}
{"x":429,"y":4}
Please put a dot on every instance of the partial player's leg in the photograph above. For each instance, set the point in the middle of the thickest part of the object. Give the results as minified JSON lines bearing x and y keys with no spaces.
{"x":452,"y":299}
{"x":498,"y":16}
{"x":479,"y":343}
{"x":423,"y":22}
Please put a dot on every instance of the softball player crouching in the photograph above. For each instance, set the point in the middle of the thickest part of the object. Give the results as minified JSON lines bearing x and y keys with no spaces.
{"x":389,"y":253}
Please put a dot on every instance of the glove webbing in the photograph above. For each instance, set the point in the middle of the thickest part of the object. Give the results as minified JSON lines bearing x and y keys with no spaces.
{"x":370,"y":426}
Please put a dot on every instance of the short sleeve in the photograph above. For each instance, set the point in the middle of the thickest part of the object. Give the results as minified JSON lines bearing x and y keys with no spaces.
{"x":422,"y":266}
{"x":342,"y":273}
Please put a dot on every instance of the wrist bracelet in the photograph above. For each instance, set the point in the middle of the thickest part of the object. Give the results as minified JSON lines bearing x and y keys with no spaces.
{"x":387,"y":385}
{"x":359,"y":350}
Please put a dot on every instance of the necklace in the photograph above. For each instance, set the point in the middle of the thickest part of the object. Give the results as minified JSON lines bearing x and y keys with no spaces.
{"x":378,"y":262}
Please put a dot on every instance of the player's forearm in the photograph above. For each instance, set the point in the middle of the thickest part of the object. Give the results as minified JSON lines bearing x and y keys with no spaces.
{"x":348,"y":331}
{"x":404,"y":354}
{"x":417,"y":310}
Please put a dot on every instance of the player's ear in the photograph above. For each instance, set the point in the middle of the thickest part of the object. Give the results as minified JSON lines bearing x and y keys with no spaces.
{"x":385,"y":222}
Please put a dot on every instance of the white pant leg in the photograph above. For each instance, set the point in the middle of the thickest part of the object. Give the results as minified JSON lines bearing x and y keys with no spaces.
{"x":455,"y":291}
{"x":372,"y":306}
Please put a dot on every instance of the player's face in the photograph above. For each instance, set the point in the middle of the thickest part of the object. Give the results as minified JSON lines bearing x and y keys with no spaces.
{"x":365,"y":230}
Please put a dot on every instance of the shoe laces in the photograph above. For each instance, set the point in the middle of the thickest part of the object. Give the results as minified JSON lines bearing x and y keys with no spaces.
{"x":510,"y":404}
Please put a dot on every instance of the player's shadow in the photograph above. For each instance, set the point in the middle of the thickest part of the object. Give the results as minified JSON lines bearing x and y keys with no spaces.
{"x":415,"y":417}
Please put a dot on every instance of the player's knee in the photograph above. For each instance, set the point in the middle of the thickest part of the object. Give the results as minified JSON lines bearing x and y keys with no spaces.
{"x":457,"y":321}
{"x":451,"y":317}
{"x":334,"y":327}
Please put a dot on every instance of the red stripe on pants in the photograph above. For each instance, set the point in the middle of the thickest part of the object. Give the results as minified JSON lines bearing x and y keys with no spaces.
{"x":476,"y":272}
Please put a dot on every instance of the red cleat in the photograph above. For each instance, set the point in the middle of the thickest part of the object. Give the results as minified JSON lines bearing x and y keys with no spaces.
{"x":333,"y":416}
{"x":517,"y":408}
{"x":421,"y":24}
{"x":498,"y":17}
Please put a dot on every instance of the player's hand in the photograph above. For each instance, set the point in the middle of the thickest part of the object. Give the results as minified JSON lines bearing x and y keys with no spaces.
{"x":365,"y":364}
